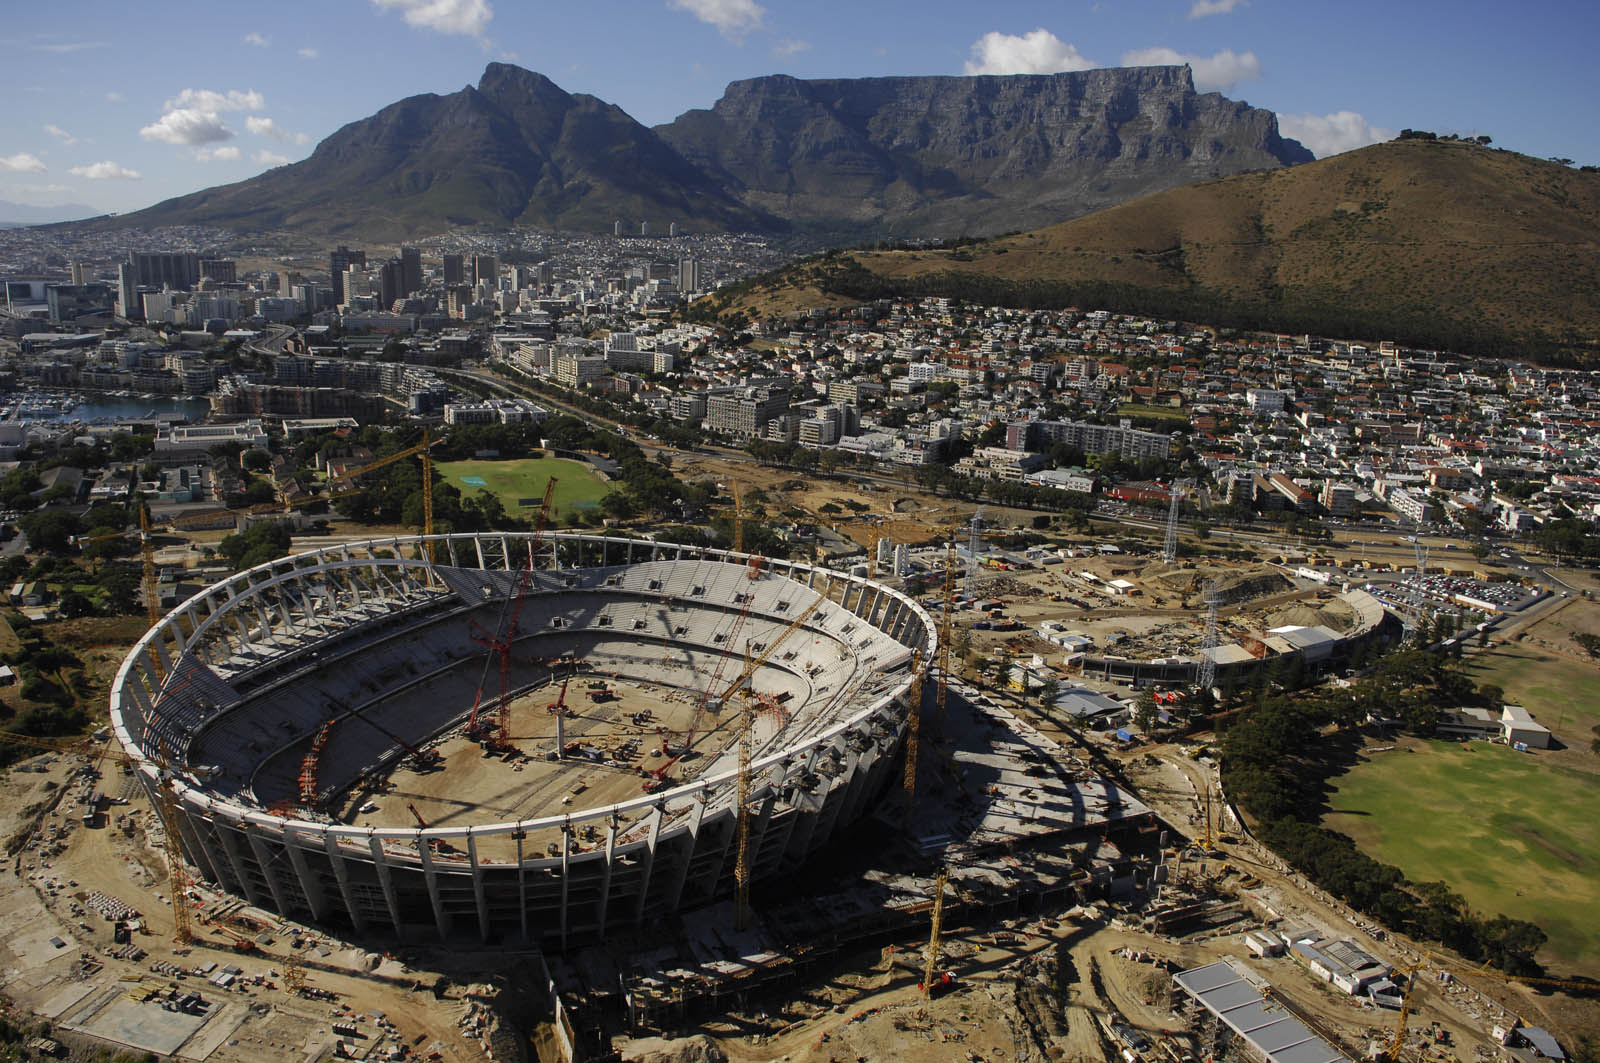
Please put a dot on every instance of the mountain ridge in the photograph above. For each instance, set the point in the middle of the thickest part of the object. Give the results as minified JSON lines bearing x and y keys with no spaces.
{"x":894,"y":155}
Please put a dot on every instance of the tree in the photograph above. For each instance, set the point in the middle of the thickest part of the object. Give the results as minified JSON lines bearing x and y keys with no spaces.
{"x":1589,"y":641}
{"x":255,"y":460}
{"x":256,"y":545}
{"x":1146,"y":711}
{"x":51,"y":530}
{"x":73,"y":604}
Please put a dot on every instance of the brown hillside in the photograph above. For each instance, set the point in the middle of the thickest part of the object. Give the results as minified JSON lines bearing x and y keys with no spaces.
{"x":1399,"y":233}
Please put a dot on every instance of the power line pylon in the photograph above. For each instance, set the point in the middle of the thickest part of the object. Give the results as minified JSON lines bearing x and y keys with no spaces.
{"x":1206,"y":673}
{"x":1414,"y":595}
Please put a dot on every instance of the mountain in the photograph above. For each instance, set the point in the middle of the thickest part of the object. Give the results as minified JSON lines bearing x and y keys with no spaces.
{"x":1435,"y":243}
{"x":919,"y":156}
{"x":939,"y":156}
{"x":13,"y":215}
{"x":515,"y":150}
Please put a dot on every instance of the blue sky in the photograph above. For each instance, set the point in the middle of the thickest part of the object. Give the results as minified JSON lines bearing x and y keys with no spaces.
{"x":120,"y":106}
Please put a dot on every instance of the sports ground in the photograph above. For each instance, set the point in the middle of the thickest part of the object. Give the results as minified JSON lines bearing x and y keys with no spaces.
{"x":1514,"y":833}
{"x":578,"y":486}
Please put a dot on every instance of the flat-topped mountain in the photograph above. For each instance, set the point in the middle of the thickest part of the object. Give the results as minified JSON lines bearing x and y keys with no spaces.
{"x":920,"y":156}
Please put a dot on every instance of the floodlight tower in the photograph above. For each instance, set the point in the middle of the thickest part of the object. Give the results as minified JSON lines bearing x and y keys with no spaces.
{"x":1169,"y":550}
{"x":1416,"y":597}
{"x":972,"y":552}
{"x":1206,"y":674}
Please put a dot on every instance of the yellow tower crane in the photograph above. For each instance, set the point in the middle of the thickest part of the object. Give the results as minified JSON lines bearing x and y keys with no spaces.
{"x":913,"y":728}
{"x":936,"y":930}
{"x":945,"y":628}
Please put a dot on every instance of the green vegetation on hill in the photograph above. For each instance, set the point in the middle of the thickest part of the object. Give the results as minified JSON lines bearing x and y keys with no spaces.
{"x":1431,"y":243}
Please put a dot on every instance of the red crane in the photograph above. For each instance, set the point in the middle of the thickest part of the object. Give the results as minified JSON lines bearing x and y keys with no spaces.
{"x":504,"y":638}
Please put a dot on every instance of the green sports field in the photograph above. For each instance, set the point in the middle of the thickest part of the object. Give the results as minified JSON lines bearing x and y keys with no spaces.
{"x":578,"y":487}
{"x":1514,"y":833}
{"x":1562,"y":693}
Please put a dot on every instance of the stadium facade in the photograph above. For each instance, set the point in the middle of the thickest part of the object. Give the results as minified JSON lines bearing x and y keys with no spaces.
{"x":220,"y":701}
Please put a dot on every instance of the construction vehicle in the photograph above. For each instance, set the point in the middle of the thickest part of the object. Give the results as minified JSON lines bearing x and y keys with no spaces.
{"x":166,"y":807}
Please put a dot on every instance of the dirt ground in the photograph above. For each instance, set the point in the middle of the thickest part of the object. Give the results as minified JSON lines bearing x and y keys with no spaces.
{"x":50,"y":891}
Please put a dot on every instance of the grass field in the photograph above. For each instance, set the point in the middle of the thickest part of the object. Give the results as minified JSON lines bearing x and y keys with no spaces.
{"x":577,"y":485}
{"x":1563,"y":694}
{"x":1511,"y":832}
{"x":1140,"y":409}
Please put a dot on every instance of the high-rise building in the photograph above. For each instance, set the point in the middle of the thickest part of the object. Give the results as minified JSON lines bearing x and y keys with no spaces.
{"x":221,"y":270}
{"x":644,"y":228}
{"x":166,"y":269}
{"x":391,"y":283}
{"x":68,"y":302}
{"x":80,"y":274}
{"x":128,"y":304}
{"x":455,"y":271}
{"x":688,"y":275}
{"x":486,"y":270}
{"x":616,"y":227}
{"x":339,"y":260}
{"x":547,"y":274}
{"x":672,"y":229}
{"x":410,"y":271}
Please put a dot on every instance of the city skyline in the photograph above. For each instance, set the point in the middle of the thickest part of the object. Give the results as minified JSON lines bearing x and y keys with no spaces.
{"x":94,"y":120}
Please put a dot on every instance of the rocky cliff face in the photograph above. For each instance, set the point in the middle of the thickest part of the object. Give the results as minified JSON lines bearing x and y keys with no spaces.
{"x":935,"y":156}
{"x":515,"y":149}
{"x":943,"y":155}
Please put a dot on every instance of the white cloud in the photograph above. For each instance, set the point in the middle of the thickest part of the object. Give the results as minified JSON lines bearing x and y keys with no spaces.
{"x":467,"y":17}
{"x":71,"y":46}
{"x":1219,"y":72}
{"x":256,"y":39}
{"x":60,"y":134}
{"x":209,"y":100}
{"x":43,"y":190}
{"x":22,"y":162}
{"x":1329,"y":134}
{"x":113,"y":97}
{"x":791,"y":47}
{"x":733,"y":18}
{"x":1203,"y":8}
{"x":270,"y":158}
{"x":223,"y":154}
{"x":105,"y":171}
{"x":193,"y":116}
{"x":308,"y":53}
{"x":1039,"y":52}
{"x":262,"y":126}
{"x":187,"y":126}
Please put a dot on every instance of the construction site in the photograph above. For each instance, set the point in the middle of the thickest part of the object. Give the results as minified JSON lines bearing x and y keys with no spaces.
{"x":587,"y":797}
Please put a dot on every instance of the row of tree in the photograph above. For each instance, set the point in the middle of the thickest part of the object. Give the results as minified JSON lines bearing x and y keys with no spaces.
{"x":1277,"y":759}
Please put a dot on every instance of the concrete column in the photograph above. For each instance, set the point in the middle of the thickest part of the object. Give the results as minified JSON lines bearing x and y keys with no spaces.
{"x":522,"y":883}
{"x":441,"y":918}
{"x":258,"y":846}
{"x":649,"y":864}
{"x":566,"y":878}
{"x":341,"y":874}
{"x":693,"y":838}
{"x":605,"y":874}
{"x":380,"y":860}
{"x":230,"y":845}
{"x":477,"y":887}
{"x":310,"y":885}
{"x":205,"y":831}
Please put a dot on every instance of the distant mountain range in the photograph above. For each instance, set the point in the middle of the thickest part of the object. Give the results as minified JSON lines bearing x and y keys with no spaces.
{"x":14,"y":215}
{"x":912,"y":156}
{"x":1434,"y":243}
